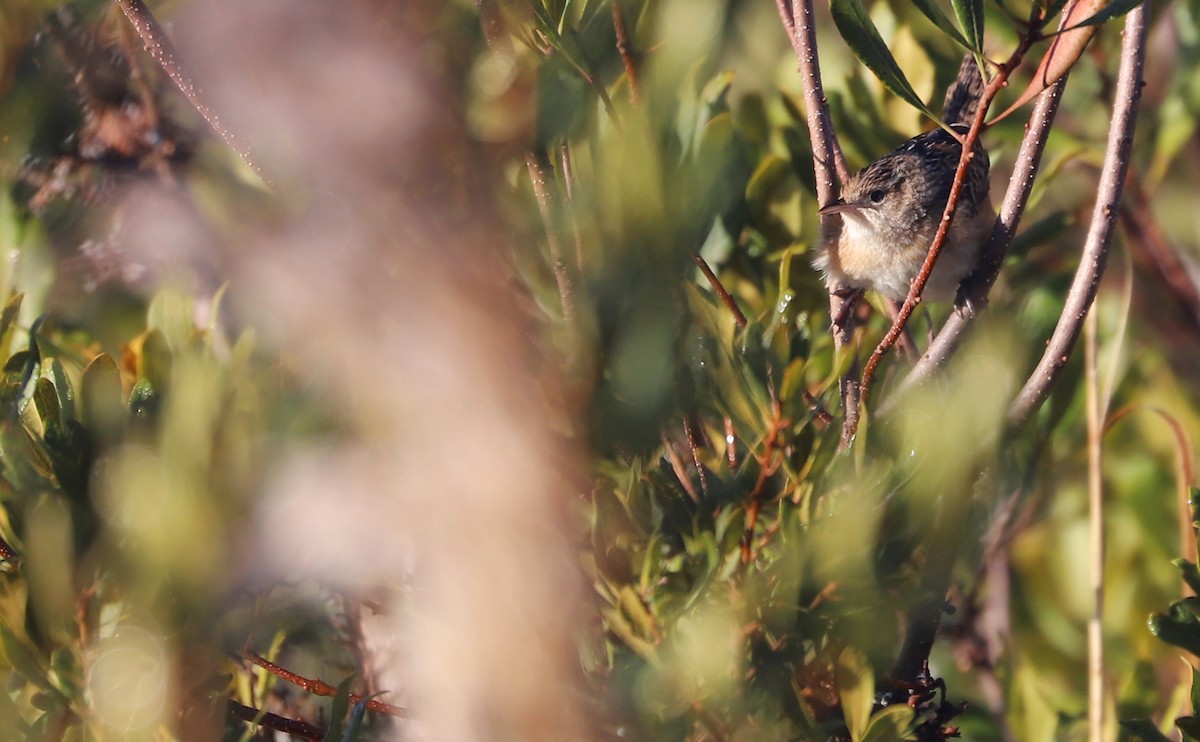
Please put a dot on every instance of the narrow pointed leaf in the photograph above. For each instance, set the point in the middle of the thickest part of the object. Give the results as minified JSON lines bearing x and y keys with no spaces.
{"x":64,"y":390}
{"x":856,"y":690}
{"x":892,"y":723}
{"x":103,"y":397}
{"x":337,"y":714}
{"x":933,"y":11}
{"x":857,"y":28}
{"x":1195,"y":692}
{"x":970,"y":17}
{"x":8,"y":321}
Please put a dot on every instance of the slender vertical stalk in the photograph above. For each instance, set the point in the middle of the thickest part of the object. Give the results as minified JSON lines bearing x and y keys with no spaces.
{"x":829,"y":166}
{"x":1095,"y":626}
{"x":540,"y":179}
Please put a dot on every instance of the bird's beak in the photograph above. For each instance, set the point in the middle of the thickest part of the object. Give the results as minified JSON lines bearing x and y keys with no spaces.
{"x":838,"y":207}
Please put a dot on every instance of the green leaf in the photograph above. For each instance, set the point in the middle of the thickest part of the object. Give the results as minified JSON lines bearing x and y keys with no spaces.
{"x":64,"y":390}
{"x":639,"y":617}
{"x":1142,"y":730}
{"x":341,"y":703}
{"x":31,"y":369}
{"x":46,"y":401}
{"x":970,"y":17}
{"x":103,"y":397}
{"x":857,"y":28}
{"x":1191,"y":575}
{"x":154,"y":359}
{"x":623,"y":631}
{"x":171,"y":312}
{"x":22,"y":660}
{"x":8,"y":321}
{"x":1179,"y":626}
{"x":856,"y":689}
{"x":933,"y":11}
{"x":890,"y":724}
{"x":10,"y":716}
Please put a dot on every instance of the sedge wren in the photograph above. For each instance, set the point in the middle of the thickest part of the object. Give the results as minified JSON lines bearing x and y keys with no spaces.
{"x":891,"y":209}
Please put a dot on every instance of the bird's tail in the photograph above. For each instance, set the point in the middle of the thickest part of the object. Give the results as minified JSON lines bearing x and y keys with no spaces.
{"x":962,"y":99}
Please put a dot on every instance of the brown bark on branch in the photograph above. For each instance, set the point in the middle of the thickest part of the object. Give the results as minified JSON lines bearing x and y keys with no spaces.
{"x":829,"y":165}
{"x":1104,"y":219}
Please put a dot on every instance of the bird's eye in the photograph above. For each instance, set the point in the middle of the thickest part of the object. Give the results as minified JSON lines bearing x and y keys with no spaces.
{"x":876,"y":195}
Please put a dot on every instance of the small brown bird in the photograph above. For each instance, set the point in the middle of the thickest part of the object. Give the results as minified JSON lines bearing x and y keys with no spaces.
{"x":891,"y":209}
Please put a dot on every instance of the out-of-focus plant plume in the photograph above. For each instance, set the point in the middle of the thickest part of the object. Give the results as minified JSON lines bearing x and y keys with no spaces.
{"x":458,"y":370}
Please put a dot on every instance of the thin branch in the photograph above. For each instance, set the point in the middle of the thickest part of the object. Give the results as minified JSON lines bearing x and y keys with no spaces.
{"x":623,"y":48}
{"x":979,"y":284}
{"x":320,"y":687}
{"x":568,"y":172}
{"x":1104,"y":219}
{"x":715,"y":282}
{"x":539,"y":177}
{"x":829,"y":168}
{"x":695,"y":441}
{"x":275,"y":721}
{"x":731,"y":451}
{"x":1155,"y":252}
{"x":828,"y":159}
{"x":677,"y":466}
{"x":767,"y":466}
{"x":1185,"y":477}
{"x":588,"y":72}
{"x":160,"y":47}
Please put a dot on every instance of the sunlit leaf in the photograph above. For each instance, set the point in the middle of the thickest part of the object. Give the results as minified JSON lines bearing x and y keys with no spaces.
{"x":856,"y":689}
{"x":64,"y":389}
{"x":103,"y":398}
{"x":857,"y":28}
{"x":932,"y":10}
{"x":970,"y":17}
{"x":890,"y":724}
